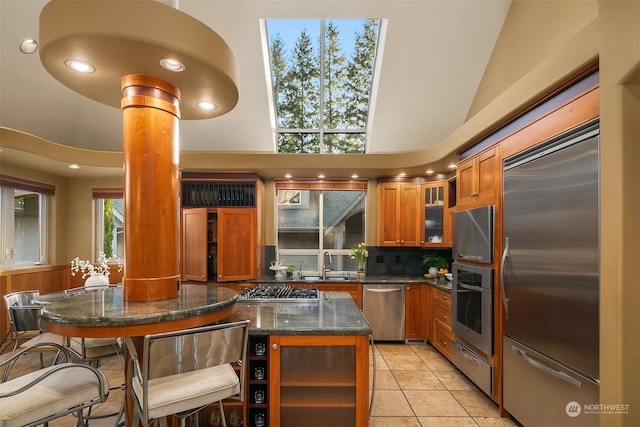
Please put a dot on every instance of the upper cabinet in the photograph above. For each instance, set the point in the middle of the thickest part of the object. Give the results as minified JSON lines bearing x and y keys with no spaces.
{"x":399,"y":214}
{"x":435,"y":214}
{"x":222,"y":227}
{"x":478,"y":180}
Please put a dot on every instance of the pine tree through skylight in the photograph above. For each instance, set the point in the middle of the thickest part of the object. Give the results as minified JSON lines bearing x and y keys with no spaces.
{"x":328,"y":114}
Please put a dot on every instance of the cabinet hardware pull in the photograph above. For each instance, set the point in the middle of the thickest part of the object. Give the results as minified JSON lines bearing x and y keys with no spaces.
{"x":274,"y":346}
{"x":475,"y":193}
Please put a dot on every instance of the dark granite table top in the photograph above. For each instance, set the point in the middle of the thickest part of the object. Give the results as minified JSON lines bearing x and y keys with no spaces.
{"x":104,"y":308}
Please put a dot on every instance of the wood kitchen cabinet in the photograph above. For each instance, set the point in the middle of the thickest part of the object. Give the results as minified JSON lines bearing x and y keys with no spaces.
{"x":441,"y":334}
{"x":434,"y":215}
{"x":318,"y":381}
{"x":478,"y":180}
{"x":415,"y":312}
{"x":219,"y":244}
{"x":399,"y":214}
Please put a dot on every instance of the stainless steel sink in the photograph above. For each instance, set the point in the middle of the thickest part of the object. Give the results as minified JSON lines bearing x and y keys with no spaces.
{"x":328,"y":279}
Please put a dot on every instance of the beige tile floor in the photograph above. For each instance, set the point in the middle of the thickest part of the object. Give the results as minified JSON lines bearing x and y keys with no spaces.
{"x":415,"y":387}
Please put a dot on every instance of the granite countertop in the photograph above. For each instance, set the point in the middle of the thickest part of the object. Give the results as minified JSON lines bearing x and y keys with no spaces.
{"x":96,"y":308}
{"x":443,"y":284}
{"x":334,"y":313}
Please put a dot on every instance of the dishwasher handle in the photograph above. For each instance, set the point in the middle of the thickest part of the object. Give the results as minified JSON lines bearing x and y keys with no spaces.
{"x":383,"y":290}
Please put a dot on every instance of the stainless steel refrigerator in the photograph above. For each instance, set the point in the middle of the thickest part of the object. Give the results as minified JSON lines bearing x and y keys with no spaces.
{"x":550,"y":281}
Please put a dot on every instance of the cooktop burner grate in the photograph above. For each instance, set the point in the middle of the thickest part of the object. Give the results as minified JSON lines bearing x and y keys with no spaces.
{"x":279,"y":294}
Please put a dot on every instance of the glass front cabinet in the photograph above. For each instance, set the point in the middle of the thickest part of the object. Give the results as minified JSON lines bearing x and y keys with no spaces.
{"x":435,"y":215}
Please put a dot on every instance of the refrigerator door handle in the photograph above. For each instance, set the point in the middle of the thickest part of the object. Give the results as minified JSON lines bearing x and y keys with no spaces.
{"x":548,"y":370}
{"x":505,"y":300}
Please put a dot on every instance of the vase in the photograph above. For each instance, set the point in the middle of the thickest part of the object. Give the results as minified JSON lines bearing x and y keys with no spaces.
{"x":360,"y":270}
{"x":433,"y":271}
{"x":96,"y":279}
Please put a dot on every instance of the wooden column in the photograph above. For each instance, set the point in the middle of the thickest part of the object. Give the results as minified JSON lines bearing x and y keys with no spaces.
{"x":151,"y":118}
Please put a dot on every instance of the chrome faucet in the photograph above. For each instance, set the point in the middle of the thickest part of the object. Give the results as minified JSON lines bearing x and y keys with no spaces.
{"x":300,"y":271}
{"x":325,"y":269}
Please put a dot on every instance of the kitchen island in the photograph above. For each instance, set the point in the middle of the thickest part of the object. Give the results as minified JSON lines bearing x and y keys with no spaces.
{"x":308,"y":362}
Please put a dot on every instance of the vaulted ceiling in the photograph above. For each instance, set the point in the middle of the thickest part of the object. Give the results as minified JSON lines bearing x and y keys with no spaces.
{"x":434,"y":57}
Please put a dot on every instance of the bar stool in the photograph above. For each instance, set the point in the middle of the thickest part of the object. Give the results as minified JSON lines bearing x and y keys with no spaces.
{"x":184,"y":371}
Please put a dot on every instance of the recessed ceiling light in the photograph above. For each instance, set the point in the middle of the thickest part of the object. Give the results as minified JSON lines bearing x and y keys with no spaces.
{"x":430,"y":171}
{"x":354,"y":176}
{"x":28,"y":46}
{"x":79,"y":66}
{"x":74,"y":166}
{"x":288,"y":176}
{"x":206,"y":105}
{"x":402,"y":174}
{"x":321,"y":176}
{"x":452,"y":166}
{"x":172,"y":65}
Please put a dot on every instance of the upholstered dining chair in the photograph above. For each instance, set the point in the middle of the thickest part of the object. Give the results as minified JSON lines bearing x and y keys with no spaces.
{"x":51,"y":392}
{"x":25,"y":321}
{"x":184,"y":371}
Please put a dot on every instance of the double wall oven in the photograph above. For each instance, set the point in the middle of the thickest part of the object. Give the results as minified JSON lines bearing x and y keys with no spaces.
{"x":472,"y":295}
{"x":472,"y":308}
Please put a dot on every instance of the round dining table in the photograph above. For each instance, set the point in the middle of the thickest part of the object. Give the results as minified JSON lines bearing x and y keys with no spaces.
{"x":102,"y":313}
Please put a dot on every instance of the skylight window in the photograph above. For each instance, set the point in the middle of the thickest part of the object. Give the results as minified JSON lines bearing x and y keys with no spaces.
{"x":322,"y":82}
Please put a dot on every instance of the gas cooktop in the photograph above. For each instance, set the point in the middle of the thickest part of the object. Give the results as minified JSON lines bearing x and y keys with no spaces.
{"x":279,"y":294}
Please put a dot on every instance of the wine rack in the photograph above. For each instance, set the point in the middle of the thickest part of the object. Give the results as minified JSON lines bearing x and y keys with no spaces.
{"x":257,"y":396}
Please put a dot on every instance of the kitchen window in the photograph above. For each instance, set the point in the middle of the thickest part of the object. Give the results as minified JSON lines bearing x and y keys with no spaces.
{"x":109,"y":208}
{"x":23,"y":223}
{"x":321,"y":221}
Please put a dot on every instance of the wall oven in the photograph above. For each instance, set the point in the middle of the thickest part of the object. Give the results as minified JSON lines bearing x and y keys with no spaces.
{"x":472,"y":306}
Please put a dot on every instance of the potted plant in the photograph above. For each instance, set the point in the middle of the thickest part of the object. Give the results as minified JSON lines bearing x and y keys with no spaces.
{"x":290,"y":269}
{"x":95,"y":274}
{"x":435,"y":262}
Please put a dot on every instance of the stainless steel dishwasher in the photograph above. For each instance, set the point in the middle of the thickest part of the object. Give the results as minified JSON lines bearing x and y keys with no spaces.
{"x":383,"y":306}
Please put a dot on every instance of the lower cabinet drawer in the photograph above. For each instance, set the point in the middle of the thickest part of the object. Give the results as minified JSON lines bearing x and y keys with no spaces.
{"x":442,"y":338}
{"x":442,"y":314}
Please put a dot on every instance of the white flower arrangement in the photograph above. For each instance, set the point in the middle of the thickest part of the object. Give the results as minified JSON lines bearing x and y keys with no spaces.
{"x":88,"y":269}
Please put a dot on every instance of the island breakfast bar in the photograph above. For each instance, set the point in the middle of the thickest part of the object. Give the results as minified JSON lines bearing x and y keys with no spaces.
{"x":102,"y":313}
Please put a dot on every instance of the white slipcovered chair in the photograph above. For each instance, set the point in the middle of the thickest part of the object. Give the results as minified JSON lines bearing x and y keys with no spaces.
{"x":50,"y":392}
{"x":184,"y":371}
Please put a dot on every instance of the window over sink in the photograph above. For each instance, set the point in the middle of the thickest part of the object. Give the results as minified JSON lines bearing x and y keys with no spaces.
{"x":325,"y":220}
